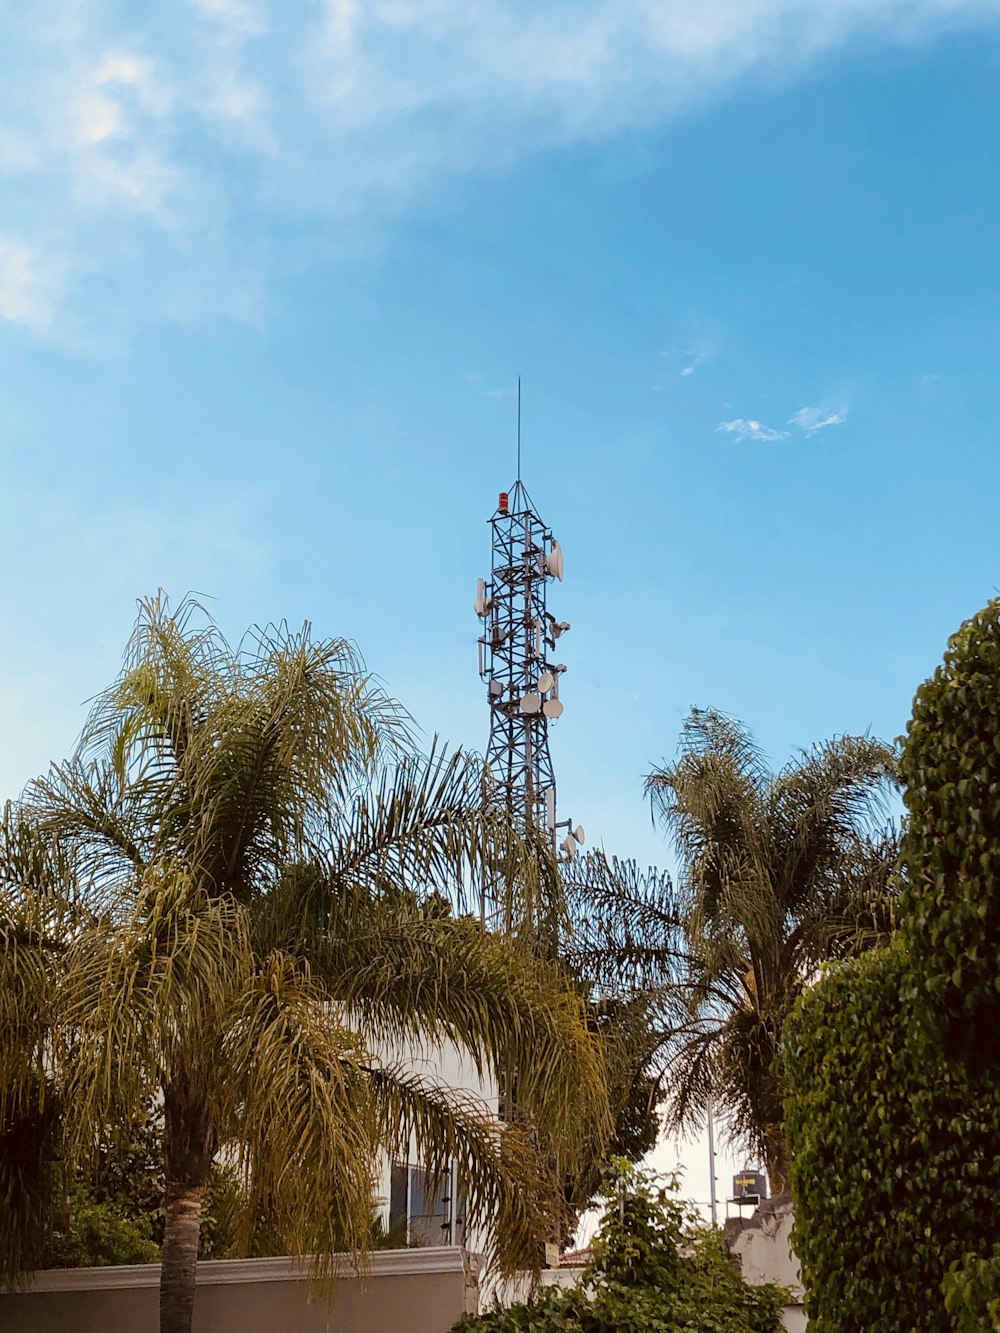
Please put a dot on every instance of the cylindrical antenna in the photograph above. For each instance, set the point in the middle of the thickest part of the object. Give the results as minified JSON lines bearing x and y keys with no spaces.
{"x":519,"y":427}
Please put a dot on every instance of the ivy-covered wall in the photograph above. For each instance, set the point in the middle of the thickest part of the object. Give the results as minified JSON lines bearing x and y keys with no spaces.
{"x":893,"y":1061}
{"x":896,"y":1167}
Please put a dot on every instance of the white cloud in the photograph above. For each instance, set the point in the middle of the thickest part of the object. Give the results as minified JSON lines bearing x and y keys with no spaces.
{"x":96,"y":117}
{"x":31,"y":285}
{"x":234,"y":98}
{"x":688,"y":370}
{"x":812,"y":419}
{"x":341,"y":20}
{"x":742,"y":429}
{"x":348,"y":113}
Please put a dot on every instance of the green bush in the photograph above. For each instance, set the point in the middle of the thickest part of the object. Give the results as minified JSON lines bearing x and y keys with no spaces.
{"x":89,"y":1233}
{"x":972,"y":1293}
{"x":652,"y":1271}
{"x":951,"y":848}
{"x":111,"y":1211}
{"x":892,"y":1061}
{"x":895,"y":1169}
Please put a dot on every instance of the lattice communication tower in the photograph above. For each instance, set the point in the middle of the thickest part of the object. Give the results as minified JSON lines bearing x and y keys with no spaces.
{"x":516,"y":660}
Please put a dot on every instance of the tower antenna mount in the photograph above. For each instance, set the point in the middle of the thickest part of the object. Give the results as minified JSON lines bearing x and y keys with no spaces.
{"x":519,"y":663}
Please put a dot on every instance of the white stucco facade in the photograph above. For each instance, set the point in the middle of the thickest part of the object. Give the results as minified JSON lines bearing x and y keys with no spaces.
{"x":763,"y":1245}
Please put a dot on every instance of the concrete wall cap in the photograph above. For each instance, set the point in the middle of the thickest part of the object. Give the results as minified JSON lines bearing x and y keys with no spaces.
{"x":217,"y":1272}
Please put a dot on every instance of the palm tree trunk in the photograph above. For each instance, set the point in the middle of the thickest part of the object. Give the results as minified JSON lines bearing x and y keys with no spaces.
{"x":189,"y":1143}
{"x":777,"y":1159}
{"x":180,"y":1257}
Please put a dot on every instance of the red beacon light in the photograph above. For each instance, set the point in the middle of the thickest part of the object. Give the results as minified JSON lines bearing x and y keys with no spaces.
{"x":503,"y":503}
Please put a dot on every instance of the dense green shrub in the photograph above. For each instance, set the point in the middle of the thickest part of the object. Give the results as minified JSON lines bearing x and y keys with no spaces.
{"x":951,"y":848}
{"x":92,"y":1233}
{"x":111,"y":1211}
{"x":652,"y":1271}
{"x":972,"y":1293}
{"x":893,"y":1061}
{"x":895,"y":1171}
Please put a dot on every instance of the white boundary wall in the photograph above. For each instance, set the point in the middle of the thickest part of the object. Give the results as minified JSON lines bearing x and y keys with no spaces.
{"x":405,"y":1291}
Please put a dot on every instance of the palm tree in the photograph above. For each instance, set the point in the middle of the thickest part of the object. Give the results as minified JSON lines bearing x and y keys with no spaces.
{"x":267,"y":862}
{"x":779,"y":872}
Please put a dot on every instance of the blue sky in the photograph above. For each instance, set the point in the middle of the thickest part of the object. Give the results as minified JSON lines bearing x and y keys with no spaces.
{"x":268,"y":273}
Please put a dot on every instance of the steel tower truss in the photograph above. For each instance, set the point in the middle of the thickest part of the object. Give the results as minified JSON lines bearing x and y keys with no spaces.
{"x":516,"y":651}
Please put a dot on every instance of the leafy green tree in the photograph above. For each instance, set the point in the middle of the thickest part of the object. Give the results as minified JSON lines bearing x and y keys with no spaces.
{"x":89,"y":1232}
{"x":779,"y":872}
{"x":36,"y":914}
{"x":259,"y":850}
{"x":951,"y":848}
{"x":653,"y":1270}
{"x":895,"y":1170}
{"x":111,"y":1208}
{"x":893,"y":1073}
{"x":972,"y":1293}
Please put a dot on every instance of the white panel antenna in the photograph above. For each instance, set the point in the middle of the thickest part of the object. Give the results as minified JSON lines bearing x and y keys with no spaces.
{"x":554,"y":561}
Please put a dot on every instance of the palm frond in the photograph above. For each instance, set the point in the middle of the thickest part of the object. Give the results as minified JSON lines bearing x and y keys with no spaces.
{"x":712,"y":803}
{"x":37,"y":915}
{"x":294,"y":1104}
{"x":428,"y":826}
{"x":822,"y":804}
{"x":409,"y":976}
{"x":509,"y":1188}
{"x":626,"y":924}
{"x":138,"y":986}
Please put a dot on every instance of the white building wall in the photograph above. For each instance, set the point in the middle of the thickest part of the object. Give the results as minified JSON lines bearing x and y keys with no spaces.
{"x":763,"y":1245}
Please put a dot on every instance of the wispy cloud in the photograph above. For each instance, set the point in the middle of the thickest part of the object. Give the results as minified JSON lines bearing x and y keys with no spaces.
{"x":693,"y":353}
{"x":810,"y":420}
{"x":742,"y":429}
{"x":162,"y":156}
{"x":31,"y":285}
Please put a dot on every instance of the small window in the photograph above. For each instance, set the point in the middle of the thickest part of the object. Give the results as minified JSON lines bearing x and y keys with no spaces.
{"x":421,"y":1208}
